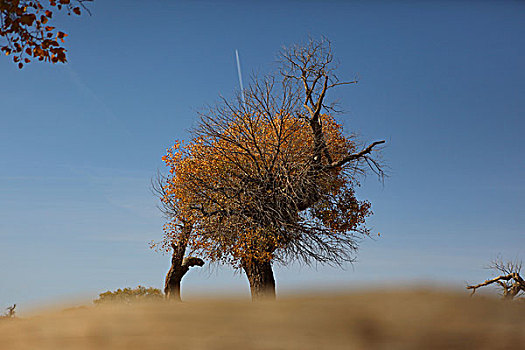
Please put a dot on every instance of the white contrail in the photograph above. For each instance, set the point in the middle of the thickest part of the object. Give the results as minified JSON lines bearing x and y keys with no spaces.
{"x":240,"y":77}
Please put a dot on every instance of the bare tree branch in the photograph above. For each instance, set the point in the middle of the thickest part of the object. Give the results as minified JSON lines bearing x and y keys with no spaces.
{"x":355,"y":156}
{"x":511,"y":281}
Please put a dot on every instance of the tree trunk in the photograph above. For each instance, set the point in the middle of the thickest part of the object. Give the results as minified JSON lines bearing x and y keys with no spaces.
{"x":179,"y":267}
{"x":260,"y":276}
{"x":175,"y":274}
{"x":172,"y":291}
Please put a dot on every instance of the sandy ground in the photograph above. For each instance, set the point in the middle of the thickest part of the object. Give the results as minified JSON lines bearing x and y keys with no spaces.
{"x":374,"y":320}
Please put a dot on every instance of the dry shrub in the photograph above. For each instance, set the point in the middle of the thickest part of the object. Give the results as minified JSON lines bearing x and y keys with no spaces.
{"x":129,"y":296}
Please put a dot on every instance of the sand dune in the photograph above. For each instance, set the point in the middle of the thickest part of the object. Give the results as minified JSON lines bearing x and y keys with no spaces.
{"x":374,"y":320}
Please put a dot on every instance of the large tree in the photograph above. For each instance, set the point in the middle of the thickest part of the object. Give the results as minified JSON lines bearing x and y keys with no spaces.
{"x":27,"y":31}
{"x":270,"y":176}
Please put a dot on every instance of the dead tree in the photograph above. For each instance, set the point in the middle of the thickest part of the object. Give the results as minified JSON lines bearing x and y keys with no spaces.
{"x":10,"y":313}
{"x":510,"y":280}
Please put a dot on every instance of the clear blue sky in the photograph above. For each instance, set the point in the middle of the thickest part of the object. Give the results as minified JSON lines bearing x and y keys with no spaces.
{"x":442,"y":82}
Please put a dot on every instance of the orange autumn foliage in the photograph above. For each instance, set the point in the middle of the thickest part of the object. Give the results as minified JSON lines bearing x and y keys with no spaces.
{"x":269,"y":176}
{"x":25,"y":27}
{"x":241,"y":188}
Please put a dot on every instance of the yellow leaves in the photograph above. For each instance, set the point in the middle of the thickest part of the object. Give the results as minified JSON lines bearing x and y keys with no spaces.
{"x":202,"y":173}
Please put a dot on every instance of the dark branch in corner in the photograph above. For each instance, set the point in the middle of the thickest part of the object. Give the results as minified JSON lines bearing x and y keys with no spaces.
{"x":355,"y":156}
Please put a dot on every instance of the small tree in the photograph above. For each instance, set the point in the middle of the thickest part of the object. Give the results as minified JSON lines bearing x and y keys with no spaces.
{"x":178,"y":231}
{"x":270,"y":176}
{"x":25,"y":26}
{"x":509,"y":280}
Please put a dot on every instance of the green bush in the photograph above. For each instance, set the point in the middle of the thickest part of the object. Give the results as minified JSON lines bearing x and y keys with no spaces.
{"x":129,"y":296}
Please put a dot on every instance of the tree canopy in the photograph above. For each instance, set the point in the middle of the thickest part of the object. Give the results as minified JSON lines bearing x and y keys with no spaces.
{"x":27,"y":30}
{"x":271,"y":176}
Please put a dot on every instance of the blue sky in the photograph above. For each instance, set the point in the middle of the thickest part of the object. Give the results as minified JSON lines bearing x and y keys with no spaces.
{"x":442,"y":82}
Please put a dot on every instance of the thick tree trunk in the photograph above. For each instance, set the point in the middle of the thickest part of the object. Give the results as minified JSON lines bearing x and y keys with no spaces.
{"x":175,"y":274}
{"x":179,"y":267}
{"x":172,"y":291}
{"x":260,"y":276}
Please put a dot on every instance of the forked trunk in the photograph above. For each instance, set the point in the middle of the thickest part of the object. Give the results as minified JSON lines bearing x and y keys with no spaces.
{"x":260,"y":276}
{"x":175,"y":274}
{"x":179,"y":267}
